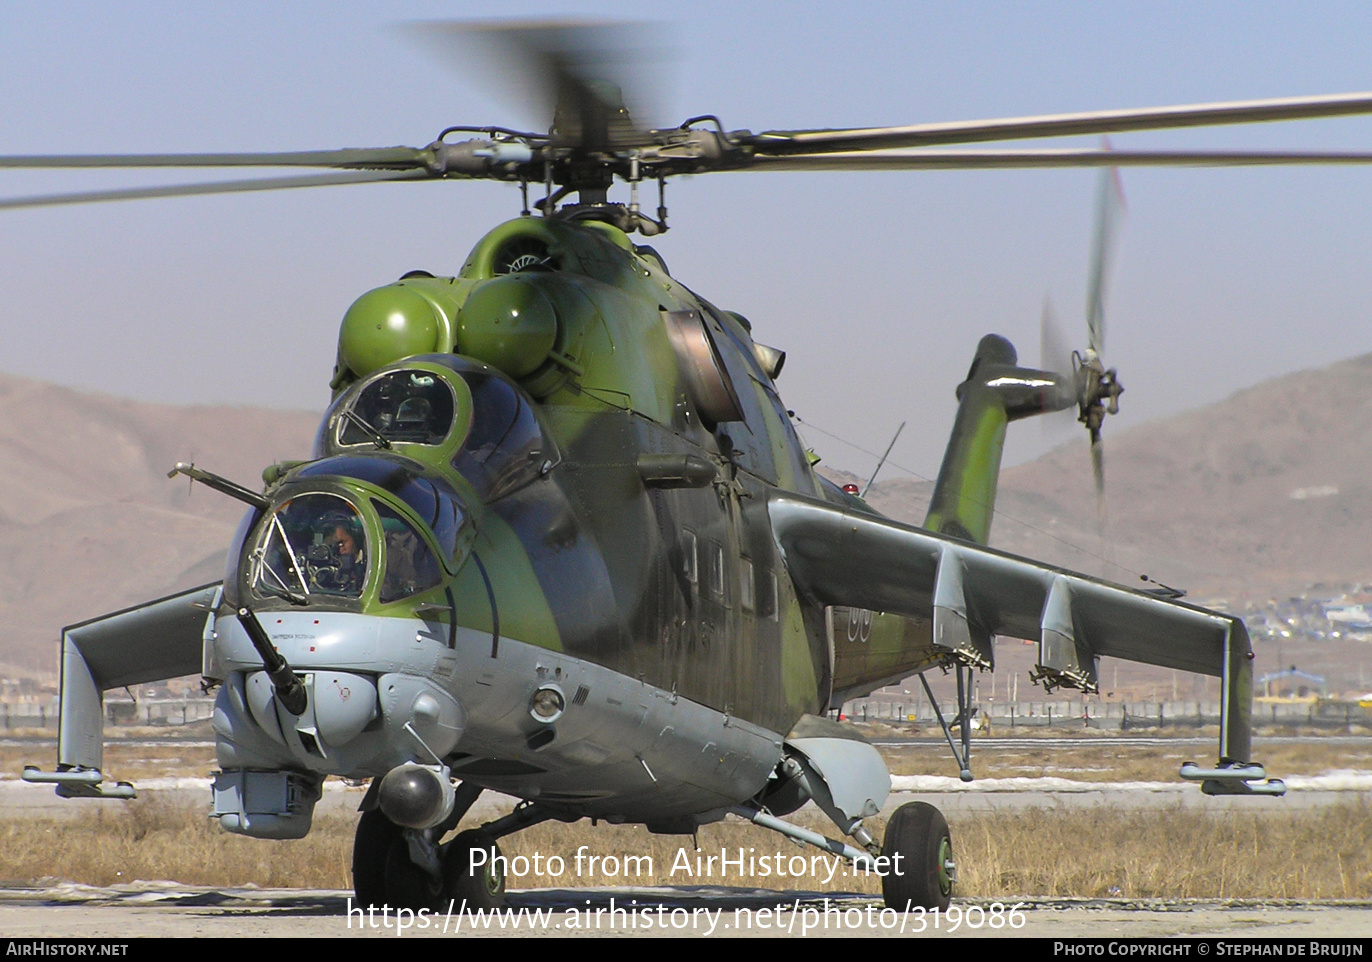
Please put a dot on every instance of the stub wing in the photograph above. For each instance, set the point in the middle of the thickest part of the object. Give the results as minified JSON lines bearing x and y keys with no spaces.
{"x":149,"y":642}
{"x":966,"y":593}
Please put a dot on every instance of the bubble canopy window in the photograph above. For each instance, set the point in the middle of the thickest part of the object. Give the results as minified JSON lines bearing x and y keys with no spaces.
{"x":314,"y":544}
{"x":410,"y":565}
{"x":416,"y":407}
{"x":470,"y":414}
{"x":434,"y":501}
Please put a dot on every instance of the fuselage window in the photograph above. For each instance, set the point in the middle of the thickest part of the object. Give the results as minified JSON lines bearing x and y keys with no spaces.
{"x":768,"y":606}
{"x":746,"y":584}
{"x":410,"y":566}
{"x":689,"y":563}
{"x":717,"y":581}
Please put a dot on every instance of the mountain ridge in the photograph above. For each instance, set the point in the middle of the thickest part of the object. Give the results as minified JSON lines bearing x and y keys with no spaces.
{"x":1252,"y":497}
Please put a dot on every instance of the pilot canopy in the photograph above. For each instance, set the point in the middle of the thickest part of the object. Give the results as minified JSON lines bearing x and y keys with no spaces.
{"x":447,"y":411}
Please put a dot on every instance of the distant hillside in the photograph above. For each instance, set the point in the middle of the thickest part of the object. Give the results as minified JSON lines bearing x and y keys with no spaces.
{"x":1254,"y":497}
{"x":89,"y":522}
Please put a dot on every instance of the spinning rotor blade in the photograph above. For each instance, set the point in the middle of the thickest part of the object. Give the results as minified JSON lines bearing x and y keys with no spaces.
{"x":360,"y":158}
{"x":219,"y":187}
{"x":579,"y":75}
{"x":782,"y":142}
{"x":1098,"y":469}
{"x":1095,"y":389}
{"x":1050,"y":158}
{"x":1109,"y":211}
{"x":1055,"y":356}
{"x":1098,"y":386}
{"x":576,"y":75}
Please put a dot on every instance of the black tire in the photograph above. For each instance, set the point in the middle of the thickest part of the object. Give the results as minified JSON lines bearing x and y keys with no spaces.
{"x":485,"y":889}
{"x":918,"y":833}
{"x":407,"y":885}
{"x":371,"y":848}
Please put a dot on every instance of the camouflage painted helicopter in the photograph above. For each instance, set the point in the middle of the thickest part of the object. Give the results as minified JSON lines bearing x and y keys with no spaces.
{"x":559,"y":539}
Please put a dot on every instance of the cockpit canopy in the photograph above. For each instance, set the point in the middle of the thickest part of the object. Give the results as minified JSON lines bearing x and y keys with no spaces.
{"x":410,"y":406}
{"x":347,"y":529}
{"x":314,"y":544}
{"x":430,"y":498}
{"x":451,"y":409}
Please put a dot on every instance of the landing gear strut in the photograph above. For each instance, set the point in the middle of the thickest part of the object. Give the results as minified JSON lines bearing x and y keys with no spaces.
{"x":847,"y":779}
{"x":408,"y":868}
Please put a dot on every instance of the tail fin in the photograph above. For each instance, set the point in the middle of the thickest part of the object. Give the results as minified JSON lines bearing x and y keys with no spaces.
{"x":996,"y":392}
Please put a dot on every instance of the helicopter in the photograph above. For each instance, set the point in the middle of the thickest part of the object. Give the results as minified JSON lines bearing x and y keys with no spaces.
{"x":558,"y":537}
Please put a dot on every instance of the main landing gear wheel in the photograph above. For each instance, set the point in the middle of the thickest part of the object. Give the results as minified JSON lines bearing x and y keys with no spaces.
{"x":371,"y":847}
{"x":383,"y":873}
{"x":482,"y":889}
{"x":918,"y":833}
{"x":407,"y":885}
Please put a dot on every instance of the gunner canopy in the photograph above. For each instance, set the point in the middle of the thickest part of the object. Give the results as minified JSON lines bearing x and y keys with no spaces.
{"x":314,"y":544}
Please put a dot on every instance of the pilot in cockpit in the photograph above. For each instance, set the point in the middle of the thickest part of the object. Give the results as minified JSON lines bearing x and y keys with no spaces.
{"x":343,"y":569}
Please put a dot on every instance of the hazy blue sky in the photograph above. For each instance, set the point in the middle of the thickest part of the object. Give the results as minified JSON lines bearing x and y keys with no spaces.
{"x":877,"y":285}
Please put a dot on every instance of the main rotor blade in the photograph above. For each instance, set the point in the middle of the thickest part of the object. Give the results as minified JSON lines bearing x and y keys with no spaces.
{"x":1109,"y":212}
{"x":579,"y":76}
{"x":219,"y":187}
{"x":1051,"y":157}
{"x":364,"y":158}
{"x":781,"y":142}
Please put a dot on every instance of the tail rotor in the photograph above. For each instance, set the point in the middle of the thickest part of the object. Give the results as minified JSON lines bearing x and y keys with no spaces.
{"x":1096,"y":386}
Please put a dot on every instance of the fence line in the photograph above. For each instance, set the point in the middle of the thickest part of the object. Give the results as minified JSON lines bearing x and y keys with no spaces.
{"x":1000,"y":715}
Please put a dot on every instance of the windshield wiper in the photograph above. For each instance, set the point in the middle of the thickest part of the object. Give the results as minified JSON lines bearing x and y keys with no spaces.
{"x":379,"y":439}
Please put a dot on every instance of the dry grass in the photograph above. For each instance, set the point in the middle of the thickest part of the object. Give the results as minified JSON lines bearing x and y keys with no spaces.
{"x":136,"y":763}
{"x":149,"y":839}
{"x":1168,"y":853}
{"x":1115,"y":758}
{"x":1305,"y":854}
{"x":1171,"y":853}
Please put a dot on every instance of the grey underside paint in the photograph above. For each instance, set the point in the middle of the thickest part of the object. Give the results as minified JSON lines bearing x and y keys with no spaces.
{"x":623,"y":749}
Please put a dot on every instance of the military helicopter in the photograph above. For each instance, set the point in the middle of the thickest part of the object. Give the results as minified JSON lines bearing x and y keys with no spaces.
{"x":558,"y":537}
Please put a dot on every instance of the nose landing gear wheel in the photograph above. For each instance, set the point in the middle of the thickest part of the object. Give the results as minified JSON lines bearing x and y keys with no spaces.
{"x":918,"y":833}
